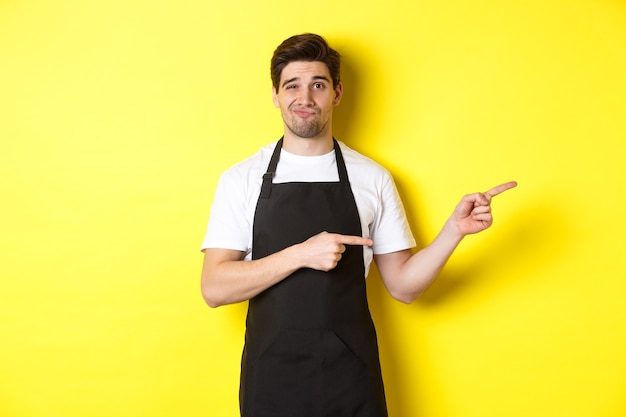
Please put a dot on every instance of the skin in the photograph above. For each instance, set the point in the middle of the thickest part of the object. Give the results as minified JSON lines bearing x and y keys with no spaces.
{"x":306,"y":99}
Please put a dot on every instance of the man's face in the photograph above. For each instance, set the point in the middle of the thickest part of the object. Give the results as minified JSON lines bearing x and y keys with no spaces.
{"x":306,"y":98}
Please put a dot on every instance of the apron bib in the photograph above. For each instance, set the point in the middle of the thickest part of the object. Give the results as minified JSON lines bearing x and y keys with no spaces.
{"x":311,"y":348}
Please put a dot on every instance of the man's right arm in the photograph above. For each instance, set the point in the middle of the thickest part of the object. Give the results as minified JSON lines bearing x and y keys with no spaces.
{"x":228,"y":279}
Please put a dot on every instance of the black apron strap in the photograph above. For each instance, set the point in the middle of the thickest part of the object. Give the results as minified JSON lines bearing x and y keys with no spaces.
{"x":266,"y":188}
{"x":341,"y":165}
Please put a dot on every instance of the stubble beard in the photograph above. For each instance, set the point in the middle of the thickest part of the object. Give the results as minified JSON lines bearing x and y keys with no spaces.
{"x":306,"y":128}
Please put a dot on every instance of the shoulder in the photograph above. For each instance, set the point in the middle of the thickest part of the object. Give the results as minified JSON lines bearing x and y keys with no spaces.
{"x":363,"y":168}
{"x":252,"y":167}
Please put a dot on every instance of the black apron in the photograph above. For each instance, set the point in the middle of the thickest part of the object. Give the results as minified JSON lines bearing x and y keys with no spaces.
{"x":311,"y":347}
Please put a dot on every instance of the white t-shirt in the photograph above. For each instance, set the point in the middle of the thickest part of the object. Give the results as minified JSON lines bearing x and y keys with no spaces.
{"x":381,"y":212}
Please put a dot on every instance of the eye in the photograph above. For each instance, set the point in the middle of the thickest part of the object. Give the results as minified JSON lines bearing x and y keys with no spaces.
{"x":318,"y":85}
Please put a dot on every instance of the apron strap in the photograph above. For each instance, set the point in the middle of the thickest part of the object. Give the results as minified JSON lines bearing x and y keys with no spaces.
{"x":341,"y":165}
{"x":266,"y":187}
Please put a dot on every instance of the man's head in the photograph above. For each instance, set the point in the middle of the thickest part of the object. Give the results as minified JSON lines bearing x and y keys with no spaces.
{"x":306,"y":47}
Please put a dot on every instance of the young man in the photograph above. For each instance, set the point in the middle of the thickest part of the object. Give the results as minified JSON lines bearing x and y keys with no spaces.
{"x":294,"y":228}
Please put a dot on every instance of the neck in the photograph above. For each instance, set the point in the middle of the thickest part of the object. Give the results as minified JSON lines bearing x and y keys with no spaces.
{"x":308,"y":146}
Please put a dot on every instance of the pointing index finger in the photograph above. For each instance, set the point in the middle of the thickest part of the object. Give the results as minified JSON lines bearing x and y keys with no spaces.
{"x":501,"y":188}
{"x":355,"y":240}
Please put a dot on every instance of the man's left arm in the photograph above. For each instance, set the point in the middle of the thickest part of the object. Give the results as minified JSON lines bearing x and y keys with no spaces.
{"x":407,"y":275}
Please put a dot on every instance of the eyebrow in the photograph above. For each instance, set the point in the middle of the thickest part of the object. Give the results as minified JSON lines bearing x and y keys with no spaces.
{"x":315,"y":77}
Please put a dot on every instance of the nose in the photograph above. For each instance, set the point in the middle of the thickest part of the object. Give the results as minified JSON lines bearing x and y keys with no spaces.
{"x":306,"y":97}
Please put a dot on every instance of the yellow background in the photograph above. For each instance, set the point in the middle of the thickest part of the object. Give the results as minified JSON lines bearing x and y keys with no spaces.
{"x":117,"y":117}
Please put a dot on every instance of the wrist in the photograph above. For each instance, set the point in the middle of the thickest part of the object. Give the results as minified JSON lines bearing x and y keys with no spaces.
{"x":293,"y":257}
{"x":452,"y":232}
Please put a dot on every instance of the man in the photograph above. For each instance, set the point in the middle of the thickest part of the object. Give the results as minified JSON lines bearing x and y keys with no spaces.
{"x":294,"y":228}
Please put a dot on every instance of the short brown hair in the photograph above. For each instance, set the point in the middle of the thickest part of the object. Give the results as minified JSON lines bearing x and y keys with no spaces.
{"x":305,"y":47}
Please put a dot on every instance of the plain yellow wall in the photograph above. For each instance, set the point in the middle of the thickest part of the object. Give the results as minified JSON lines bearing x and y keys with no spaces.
{"x":117,"y":117}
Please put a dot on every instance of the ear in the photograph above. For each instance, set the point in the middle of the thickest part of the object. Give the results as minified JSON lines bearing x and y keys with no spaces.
{"x":275,"y":97}
{"x":338,"y":94}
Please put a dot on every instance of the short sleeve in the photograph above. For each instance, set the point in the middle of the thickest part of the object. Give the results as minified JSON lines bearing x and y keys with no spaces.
{"x":229,"y":226}
{"x":390,"y":230}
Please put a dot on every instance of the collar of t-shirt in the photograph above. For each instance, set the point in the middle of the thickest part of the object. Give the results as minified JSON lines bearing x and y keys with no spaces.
{"x":298,"y":168}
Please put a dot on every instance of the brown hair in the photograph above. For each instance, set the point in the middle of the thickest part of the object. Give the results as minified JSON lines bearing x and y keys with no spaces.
{"x":305,"y":47}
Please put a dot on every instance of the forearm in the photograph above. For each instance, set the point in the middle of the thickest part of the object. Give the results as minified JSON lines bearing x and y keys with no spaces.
{"x":229,"y":281}
{"x":408,"y":276}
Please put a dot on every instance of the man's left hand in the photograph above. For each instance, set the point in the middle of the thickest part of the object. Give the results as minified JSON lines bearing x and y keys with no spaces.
{"x":473,"y":213}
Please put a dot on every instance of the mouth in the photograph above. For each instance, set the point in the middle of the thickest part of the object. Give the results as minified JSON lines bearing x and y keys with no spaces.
{"x":304,"y":112}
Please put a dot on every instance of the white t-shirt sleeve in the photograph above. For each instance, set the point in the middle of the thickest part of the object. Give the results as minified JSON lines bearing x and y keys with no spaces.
{"x":390,"y":229}
{"x":229,"y":225}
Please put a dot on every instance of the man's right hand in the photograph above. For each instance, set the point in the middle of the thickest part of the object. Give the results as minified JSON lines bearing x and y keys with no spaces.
{"x":324,"y":250}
